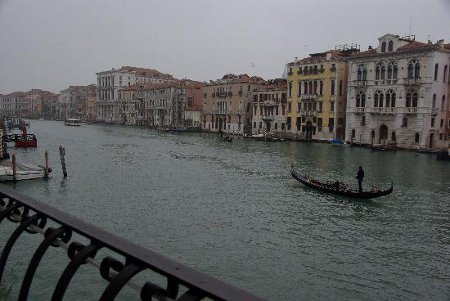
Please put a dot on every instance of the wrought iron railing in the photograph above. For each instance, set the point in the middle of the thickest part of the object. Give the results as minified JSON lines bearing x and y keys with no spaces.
{"x":182,"y":283}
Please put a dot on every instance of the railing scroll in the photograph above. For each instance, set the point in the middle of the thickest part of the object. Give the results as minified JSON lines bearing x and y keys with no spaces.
{"x":182,"y":283}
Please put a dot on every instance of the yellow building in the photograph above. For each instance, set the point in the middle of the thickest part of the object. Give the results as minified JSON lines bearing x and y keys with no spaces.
{"x":317,"y":93}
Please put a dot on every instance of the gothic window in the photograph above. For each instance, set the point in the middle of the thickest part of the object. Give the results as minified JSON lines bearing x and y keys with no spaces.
{"x":405,"y":122}
{"x":388,"y":99}
{"x":358,"y":100}
{"x":363,"y":99}
{"x":443,"y":103}
{"x":359,"y":74}
{"x":383,"y":70}
{"x":364,"y":73}
{"x":377,"y":73}
{"x":445,"y":73}
{"x":391,"y":46}
{"x":410,"y":70}
{"x":434,"y":101}
{"x":394,"y":137}
{"x":415,"y":100}
{"x":389,"y":75}
{"x":395,"y":72}
{"x":408,"y":100}
{"x":383,"y":47}
{"x":417,"y":70}
{"x":436,"y":70}
{"x":380,"y":102}
{"x":353,"y":133}
{"x":417,"y":137}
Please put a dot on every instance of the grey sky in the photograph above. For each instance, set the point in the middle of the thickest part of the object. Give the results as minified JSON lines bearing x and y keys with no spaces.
{"x":51,"y":44}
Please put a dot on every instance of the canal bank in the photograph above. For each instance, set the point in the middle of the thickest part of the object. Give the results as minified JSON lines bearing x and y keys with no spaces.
{"x":233,"y":211}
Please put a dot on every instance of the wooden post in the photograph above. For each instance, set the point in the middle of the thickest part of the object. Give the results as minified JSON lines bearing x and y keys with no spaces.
{"x":62,"y":153}
{"x":14,"y":167}
{"x":46,"y":164}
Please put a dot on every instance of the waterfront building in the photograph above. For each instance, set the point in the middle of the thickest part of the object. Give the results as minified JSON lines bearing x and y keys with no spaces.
{"x":31,"y":104}
{"x":269,"y":108}
{"x":73,"y":102}
{"x":227,"y":104}
{"x":194,"y":104}
{"x":109,"y":83}
{"x":160,"y":105}
{"x":398,"y":93}
{"x":316,"y":94}
{"x":128,"y":106}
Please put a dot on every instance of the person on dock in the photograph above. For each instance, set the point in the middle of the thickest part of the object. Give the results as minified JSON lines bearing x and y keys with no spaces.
{"x":360,"y":177}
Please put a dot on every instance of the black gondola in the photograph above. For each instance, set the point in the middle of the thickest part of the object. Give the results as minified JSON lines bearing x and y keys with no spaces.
{"x":339,"y":188}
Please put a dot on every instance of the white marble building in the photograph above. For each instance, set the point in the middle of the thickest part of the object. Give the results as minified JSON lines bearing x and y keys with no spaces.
{"x":109,"y":82}
{"x":398,"y":94}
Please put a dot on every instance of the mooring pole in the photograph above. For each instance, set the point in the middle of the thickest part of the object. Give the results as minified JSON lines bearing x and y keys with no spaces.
{"x":46,"y":164}
{"x":14,"y":167}
{"x":62,"y":153}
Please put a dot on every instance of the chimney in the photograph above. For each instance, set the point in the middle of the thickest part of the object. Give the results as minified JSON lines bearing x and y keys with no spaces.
{"x":370,"y":47}
{"x":296,"y":60}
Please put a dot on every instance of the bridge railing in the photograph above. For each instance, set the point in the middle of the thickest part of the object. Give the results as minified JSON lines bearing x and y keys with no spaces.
{"x":31,"y":216}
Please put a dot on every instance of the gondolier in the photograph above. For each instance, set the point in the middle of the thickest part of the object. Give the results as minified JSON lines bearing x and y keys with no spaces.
{"x":360,"y":177}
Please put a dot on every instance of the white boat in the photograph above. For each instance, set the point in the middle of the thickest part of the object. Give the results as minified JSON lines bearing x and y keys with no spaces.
{"x":72,"y":122}
{"x":24,"y":171}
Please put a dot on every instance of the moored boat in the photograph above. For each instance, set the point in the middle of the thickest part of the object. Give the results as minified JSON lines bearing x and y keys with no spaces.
{"x":24,"y":171}
{"x":340,"y":188}
{"x":72,"y":122}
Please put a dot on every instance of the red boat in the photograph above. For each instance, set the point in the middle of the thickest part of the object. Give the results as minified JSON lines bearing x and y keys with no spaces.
{"x":25,"y":140}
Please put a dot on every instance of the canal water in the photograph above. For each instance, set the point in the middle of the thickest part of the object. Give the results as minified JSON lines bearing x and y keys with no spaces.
{"x":233,"y":211}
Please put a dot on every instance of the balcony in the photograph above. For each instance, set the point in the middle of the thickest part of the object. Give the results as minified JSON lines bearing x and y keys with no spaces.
{"x":412,"y":80}
{"x":360,"y":110}
{"x":221,"y":111}
{"x":434,"y":111}
{"x":360,"y":82}
{"x":383,"y":110}
{"x":269,"y":103}
{"x":411,"y":110}
{"x":267,"y":117}
{"x":222,"y":94}
{"x":309,"y":96}
{"x":308,"y":112}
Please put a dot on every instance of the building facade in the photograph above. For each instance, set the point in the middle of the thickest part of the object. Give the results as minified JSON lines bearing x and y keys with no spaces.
{"x":398,"y":94}
{"x":73,"y":102}
{"x":269,"y":109}
{"x":227,"y":104}
{"x":109,"y":83}
{"x":317,"y":94}
{"x":160,"y":105}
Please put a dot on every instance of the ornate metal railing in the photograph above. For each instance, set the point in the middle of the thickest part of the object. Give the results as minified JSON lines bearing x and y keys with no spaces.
{"x":182,"y":283}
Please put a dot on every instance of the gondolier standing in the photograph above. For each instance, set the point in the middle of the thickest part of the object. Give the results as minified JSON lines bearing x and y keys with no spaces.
{"x":360,"y":177}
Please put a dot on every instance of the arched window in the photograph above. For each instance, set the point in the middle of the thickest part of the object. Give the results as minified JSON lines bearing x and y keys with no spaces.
{"x":405,"y":122}
{"x":315,"y":87}
{"x":410,"y":70}
{"x":436,"y":70}
{"x":393,"y":137}
{"x":363,"y":100}
{"x":363,"y":120}
{"x":393,"y":96}
{"x":391,"y":46}
{"x":358,"y":99}
{"x":395,"y":73}
{"x":388,"y":99}
{"x":305,"y":87}
{"x":377,"y":73}
{"x":415,"y":100}
{"x":380,"y":102}
{"x":311,"y":91}
{"x":375,"y":99}
{"x":408,"y":100}
{"x":445,"y":73}
{"x":372,"y":134}
{"x":434,"y":101}
{"x":389,"y":75}
{"x":417,"y":70}
{"x":321,"y":87}
{"x":383,"y":70}
{"x":383,"y":47}
{"x":443,"y":103}
{"x":417,"y":138}
{"x":353,"y":133}
{"x":364,"y":73}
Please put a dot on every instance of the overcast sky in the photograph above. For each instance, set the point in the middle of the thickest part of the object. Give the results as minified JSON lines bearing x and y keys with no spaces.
{"x":52,"y":44}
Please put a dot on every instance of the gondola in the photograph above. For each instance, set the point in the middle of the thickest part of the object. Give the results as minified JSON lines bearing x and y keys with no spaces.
{"x":339,"y":188}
